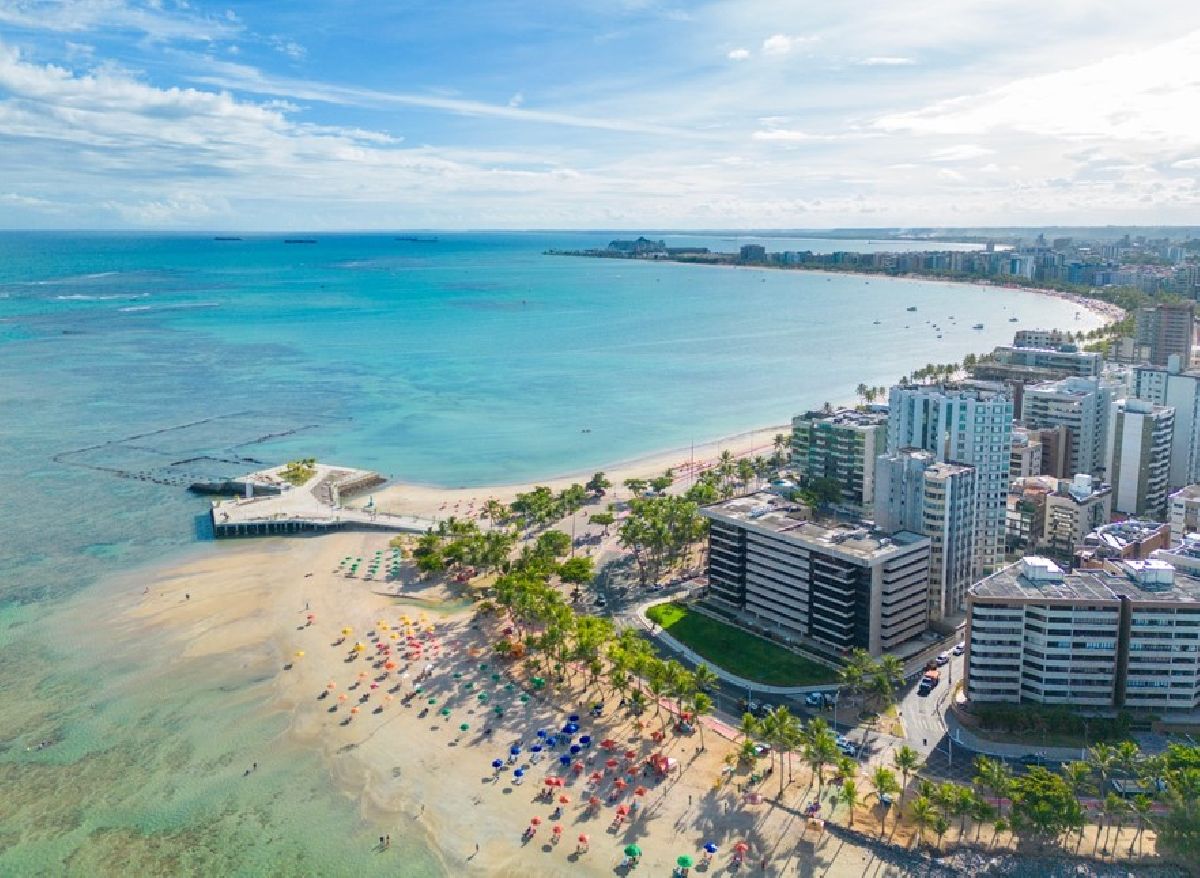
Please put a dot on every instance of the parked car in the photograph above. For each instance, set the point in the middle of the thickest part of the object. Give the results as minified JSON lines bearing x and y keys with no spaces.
{"x":1031,"y":759}
{"x":959,"y":648}
{"x":943,"y":658}
{"x":600,"y":602}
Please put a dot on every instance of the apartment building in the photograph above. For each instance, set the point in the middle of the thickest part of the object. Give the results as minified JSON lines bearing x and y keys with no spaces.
{"x":969,"y":425}
{"x":1126,"y":636}
{"x":841,"y":446}
{"x":1062,"y":360}
{"x":1026,"y":458}
{"x":1170,"y":386}
{"x":1139,"y":454}
{"x":831,"y":586}
{"x":1167,"y":329}
{"x":1082,"y":406}
{"x":1074,"y":510}
{"x":1183,"y":512}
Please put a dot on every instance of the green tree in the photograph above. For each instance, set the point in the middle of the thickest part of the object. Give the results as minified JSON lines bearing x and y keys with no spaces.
{"x":553,"y":544}
{"x":885,"y":784}
{"x":701,"y":705}
{"x":906,"y":760}
{"x":848,"y":796}
{"x":1043,"y":804}
{"x":598,"y":484}
{"x":923,"y":814}
{"x":994,"y":776}
{"x":579,"y":570}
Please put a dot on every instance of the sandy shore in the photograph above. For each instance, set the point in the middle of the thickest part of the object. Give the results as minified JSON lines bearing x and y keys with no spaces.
{"x":687,"y":461}
{"x":411,"y":770}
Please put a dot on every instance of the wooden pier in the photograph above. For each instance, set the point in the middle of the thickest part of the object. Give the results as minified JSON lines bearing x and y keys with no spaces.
{"x":314,"y":507}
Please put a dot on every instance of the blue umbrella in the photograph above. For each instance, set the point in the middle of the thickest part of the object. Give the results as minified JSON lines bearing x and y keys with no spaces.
{"x":585,"y":740}
{"x":575,"y":749}
{"x":573,"y":718}
{"x":564,"y":760}
{"x":520,"y":772}
{"x":497,"y":763}
{"x":552,"y":742}
{"x":541,"y":733}
{"x":514,"y":750}
{"x":536,"y":748}
{"x":710,"y":847}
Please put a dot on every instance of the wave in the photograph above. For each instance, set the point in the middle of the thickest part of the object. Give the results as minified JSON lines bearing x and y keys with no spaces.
{"x":180,"y":306}
{"x":69,"y":279}
{"x":80,"y":297}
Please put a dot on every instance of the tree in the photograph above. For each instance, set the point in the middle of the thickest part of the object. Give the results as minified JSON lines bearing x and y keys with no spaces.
{"x":661,"y":483}
{"x":1141,"y":807}
{"x":706,"y":678}
{"x":604,"y":519}
{"x":702,"y":704}
{"x":820,"y":749}
{"x":993,"y":775}
{"x":848,"y":796}
{"x":884,"y":781}
{"x":578,"y":570}
{"x":907,"y":761}
{"x":635,"y":487}
{"x":553,"y":544}
{"x":940,"y":825}
{"x":1179,"y":828}
{"x":1043,"y":804}
{"x":923,"y":814}
{"x":598,"y":484}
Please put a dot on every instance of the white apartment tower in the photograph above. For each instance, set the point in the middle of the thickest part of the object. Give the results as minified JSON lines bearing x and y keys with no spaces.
{"x":963,"y":425}
{"x":1082,"y":406}
{"x":1180,"y":390}
{"x":1139,"y":448}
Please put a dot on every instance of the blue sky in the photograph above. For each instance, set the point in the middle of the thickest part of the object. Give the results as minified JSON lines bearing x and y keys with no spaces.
{"x":348,"y":114}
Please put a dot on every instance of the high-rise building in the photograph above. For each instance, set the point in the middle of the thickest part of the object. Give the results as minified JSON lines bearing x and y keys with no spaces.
{"x":918,"y":493}
{"x":971,"y":426}
{"x":1125,"y":636}
{"x":1026,"y":458}
{"x":831,"y":587}
{"x":1073,"y":511}
{"x":1168,"y":329}
{"x":841,"y":446}
{"x":1082,"y":406}
{"x":1064,"y":360}
{"x":1139,"y":448}
{"x":1180,"y":390}
{"x":1040,"y":338}
{"x":1183,"y":512}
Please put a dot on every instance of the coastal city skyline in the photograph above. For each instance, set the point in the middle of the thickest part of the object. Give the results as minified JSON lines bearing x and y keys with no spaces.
{"x":172,"y":115}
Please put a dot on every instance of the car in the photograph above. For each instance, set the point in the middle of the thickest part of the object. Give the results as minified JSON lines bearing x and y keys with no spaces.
{"x":814,"y":699}
{"x":748,"y":706}
{"x":959,"y":648}
{"x":943,"y":658}
{"x":848,"y":748}
{"x":764,"y":709}
{"x":658,"y":586}
{"x":1032,"y":759}
{"x":600,"y":602}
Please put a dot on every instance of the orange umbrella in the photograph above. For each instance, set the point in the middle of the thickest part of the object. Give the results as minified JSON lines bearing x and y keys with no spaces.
{"x":564,"y":799}
{"x":640,"y":791}
{"x":557,"y":830}
{"x":535,"y":821}
{"x":354,"y":710}
{"x":342,"y":697}
{"x":331,"y":685}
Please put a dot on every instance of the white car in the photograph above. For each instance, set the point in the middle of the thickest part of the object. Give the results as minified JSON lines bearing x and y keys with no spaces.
{"x":959,"y":648}
{"x":943,"y":658}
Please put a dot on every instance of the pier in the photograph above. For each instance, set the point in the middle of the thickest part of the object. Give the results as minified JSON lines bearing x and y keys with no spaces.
{"x":272,"y":506}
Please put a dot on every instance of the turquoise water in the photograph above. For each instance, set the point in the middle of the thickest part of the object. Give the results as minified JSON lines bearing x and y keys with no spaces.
{"x":469,"y":361}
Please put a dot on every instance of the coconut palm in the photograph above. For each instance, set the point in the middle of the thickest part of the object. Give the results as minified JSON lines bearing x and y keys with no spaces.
{"x":848,"y":796}
{"x":923,"y":814}
{"x":993,"y":775}
{"x":940,"y":826}
{"x":906,"y":760}
{"x":1141,"y":807}
{"x":701,"y":705}
{"x":884,"y":781}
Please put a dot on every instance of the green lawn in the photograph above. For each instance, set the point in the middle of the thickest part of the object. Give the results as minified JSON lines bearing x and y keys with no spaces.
{"x":738,"y":651}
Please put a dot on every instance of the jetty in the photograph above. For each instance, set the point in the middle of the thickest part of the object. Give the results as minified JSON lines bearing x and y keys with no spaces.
{"x":270,"y":505}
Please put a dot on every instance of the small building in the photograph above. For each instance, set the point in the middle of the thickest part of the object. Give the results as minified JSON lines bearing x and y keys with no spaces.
{"x":1128,"y":540}
{"x":753,"y":253}
{"x":1074,"y":510}
{"x":1184,"y":513}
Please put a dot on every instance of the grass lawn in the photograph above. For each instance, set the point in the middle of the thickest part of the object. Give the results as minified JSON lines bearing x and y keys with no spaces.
{"x":738,"y":651}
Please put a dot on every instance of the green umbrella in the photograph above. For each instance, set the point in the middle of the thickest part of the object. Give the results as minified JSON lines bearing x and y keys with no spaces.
{"x":483,"y":667}
{"x":495,"y":678}
{"x":524,"y":699}
{"x":432,"y":701}
{"x":508,"y":687}
{"x":445,"y":711}
{"x":464,"y":727}
{"x":684,"y":860}
{"x":499,"y":710}
{"x":482,"y":696}
{"x":418,"y":689}
{"x":633,"y":850}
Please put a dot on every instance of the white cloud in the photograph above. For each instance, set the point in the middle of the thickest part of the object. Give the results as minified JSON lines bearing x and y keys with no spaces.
{"x":149,"y":19}
{"x":288,"y":47}
{"x":788,"y":135}
{"x":960,"y":152}
{"x":738,"y":54}
{"x":886,"y":61}
{"x":517,"y":99}
{"x":782,"y":44}
{"x":1187,"y":164}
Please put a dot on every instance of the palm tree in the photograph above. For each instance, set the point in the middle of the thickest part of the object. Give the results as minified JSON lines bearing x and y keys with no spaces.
{"x":820,"y":748}
{"x":701,"y":704}
{"x":884,"y":781}
{"x":848,"y":796}
{"x":906,"y":760}
{"x":940,"y":825}
{"x":750,"y":726}
{"x":993,"y":775}
{"x":1115,"y":808}
{"x":1141,"y":810}
{"x":923,"y":813}
{"x":705,"y":677}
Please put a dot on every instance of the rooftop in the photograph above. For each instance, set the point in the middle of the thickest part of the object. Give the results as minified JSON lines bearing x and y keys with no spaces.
{"x":873,"y":416}
{"x":768,"y":512}
{"x":1036,"y":578}
{"x":1188,"y":492}
{"x":1120,"y":534}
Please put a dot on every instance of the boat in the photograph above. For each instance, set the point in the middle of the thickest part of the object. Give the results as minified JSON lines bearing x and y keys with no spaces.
{"x":977,"y":326}
{"x":1012,"y":319}
{"x":877,"y":322}
{"x":299,"y":240}
{"x":226,"y":238}
{"x":911,"y":308}
{"x":413,"y":239}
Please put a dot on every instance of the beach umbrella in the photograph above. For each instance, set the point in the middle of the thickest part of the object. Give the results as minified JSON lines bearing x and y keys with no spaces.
{"x":741,"y":847}
{"x":576,"y":749}
{"x":347,"y":631}
{"x":596,"y":777}
{"x":583,"y":839}
{"x":594,"y":801}
{"x":608,"y":744}
{"x":482,"y":696}
{"x":358,"y":647}
{"x":524,"y":699}
{"x":557,"y":830}
{"x":632,"y":850}
{"x":331,"y":685}
{"x":374,"y":685}
{"x":514,"y":750}
{"x":520,"y":772}
{"x":389,"y":665}
{"x":640,"y":791}
{"x":577,"y":768}
{"x":585,"y":740}
{"x":495,"y":678}
{"x":564,"y":799}
{"x":431,"y":701}
{"x":499,"y":711}
{"x":573,"y":718}
{"x":564,"y":760}
{"x":311,"y":616}
{"x":536,"y":748}
{"x":458,"y":675}
{"x":710,"y":847}
{"x":354,"y":710}
{"x":535,"y":821}
{"x":622,"y":810}
{"x":611,"y":763}
{"x":445,"y":711}
{"x":497,"y":763}
{"x":685,"y":861}
{"x":343,"y":697}
{"x":631,"y":754}
{"x":620,"y":783}
{"x":549,"y":781}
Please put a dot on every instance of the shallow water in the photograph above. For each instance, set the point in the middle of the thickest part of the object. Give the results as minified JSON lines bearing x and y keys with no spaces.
{"x":474,"y":360}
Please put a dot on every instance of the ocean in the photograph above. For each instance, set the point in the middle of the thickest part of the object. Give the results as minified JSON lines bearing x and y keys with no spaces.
{"x":133,"y":364}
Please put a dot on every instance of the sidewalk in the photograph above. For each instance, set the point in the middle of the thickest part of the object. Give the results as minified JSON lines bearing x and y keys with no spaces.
{"x":637,"y":617}
{"x":963,"y":736}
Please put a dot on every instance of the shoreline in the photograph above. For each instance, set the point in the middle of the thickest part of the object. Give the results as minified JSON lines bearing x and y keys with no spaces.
{"x":1110,"y":312}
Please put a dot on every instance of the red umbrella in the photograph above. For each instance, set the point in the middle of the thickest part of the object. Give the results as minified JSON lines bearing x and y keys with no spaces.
{"x":557,"y":830}
{"x":594,"y":801}
{"x":597,"y":777}
{"x":741,"y":847}
{"x":577,"y":767}
{"x":620,"y":783}
{"x":612,"y":763}
{"x":564,"y":799}
{"x":549,"y":782}
{"x":631,"y":754}
{"x":608,"y":744}
{"x":622,"y":810}
{"x":640,"y":791}
{"x":535,"y":821}
{"x":583,"y":839}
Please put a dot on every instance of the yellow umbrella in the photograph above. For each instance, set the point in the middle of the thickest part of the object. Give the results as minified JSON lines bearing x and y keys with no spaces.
{"x":358,"y":647}
{"x":347,"y":631}
{"x":299,"y":653}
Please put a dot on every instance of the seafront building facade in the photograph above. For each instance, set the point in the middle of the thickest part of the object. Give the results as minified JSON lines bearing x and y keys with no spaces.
{"x":841,"y":446}
{"x":1126,"y":636}
{"x":829,"y":586}
{"x":963,"y":425}
{"x":916,"y":492}
{"x":1169,"y":386}
{"x":1082,"y":406}
{"x":1139,"y":451}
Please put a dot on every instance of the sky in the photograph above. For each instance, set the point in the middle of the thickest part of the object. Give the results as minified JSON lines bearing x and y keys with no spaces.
{"x":517,"y":114}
